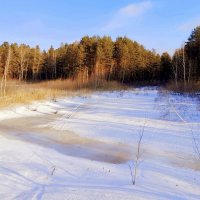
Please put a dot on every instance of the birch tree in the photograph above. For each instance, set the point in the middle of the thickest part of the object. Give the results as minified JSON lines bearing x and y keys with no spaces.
{"x":5,"y":73}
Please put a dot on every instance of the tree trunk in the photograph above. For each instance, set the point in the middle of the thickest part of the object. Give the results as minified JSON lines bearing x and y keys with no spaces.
{"x":184,"y":70}
{"x":4,"y":78}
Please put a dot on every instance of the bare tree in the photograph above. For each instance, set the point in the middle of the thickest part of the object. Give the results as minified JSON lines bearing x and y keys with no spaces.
{"x":22,"y":61}
{"x":175,"y":71}
{"x":184,"y":68}
{"x":5,"y":74}
{"x":189,"y":71}
{"x":55,"y":64}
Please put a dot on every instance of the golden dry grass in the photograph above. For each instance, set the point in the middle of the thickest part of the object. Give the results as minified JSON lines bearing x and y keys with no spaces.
{"x":191,"y":88}
{"x":22,"y":93}
{"x":75,"y":85}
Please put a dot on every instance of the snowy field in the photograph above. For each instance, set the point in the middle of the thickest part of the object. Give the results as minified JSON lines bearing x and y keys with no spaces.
{"x":80,"y":148}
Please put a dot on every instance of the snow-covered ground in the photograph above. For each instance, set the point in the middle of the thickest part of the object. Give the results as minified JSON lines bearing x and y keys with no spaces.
{"x":81,"y":147}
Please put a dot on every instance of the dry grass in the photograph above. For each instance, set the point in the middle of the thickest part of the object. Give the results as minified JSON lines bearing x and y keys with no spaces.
{"x":26,"y":94}
{"x":22,"y":93}
{"x":192,"y":88}
{"x":75,"y":85}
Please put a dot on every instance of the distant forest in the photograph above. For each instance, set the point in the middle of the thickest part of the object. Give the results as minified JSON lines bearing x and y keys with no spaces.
{"x":122,"y":60}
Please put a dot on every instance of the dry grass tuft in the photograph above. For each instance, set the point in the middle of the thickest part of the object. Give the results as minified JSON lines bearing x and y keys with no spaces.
{"x":192,"y":88}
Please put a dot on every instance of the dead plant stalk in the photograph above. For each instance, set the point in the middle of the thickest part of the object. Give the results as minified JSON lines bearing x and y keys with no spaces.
{"x":134,"y":168}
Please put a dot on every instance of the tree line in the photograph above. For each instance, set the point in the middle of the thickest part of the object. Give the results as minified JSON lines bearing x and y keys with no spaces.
{"x":123,"y":60}
{"x":187,"y":59}
{"x":101,"y":57}
{"x":185,"y":63}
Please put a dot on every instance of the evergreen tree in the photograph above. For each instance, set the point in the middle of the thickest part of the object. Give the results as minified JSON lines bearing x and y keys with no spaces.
{"x":165,"y":67}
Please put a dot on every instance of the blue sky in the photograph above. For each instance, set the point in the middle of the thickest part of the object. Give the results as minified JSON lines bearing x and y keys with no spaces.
{"x":160,"y":24}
